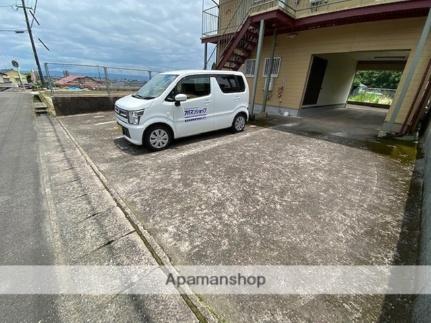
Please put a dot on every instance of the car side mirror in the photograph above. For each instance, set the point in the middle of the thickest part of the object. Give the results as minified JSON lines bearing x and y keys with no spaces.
{"x":180,"y":98}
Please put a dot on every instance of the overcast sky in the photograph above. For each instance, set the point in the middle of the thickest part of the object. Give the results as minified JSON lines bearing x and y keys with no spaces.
{"x":157,"y":34}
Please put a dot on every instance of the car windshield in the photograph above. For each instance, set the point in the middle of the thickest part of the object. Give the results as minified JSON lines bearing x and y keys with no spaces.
{"x":155,"y":87}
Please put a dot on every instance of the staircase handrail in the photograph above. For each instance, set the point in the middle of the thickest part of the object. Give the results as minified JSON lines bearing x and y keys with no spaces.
{"x":245,"y":17}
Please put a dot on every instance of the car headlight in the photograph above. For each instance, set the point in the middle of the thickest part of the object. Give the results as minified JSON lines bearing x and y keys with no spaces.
{"x":135,"y":116}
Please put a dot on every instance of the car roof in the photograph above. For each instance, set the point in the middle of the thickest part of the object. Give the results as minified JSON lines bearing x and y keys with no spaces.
{"x":193,"y":72}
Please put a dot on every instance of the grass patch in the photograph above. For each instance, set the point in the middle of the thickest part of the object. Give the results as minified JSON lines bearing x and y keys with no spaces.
{"x":368,"y":97}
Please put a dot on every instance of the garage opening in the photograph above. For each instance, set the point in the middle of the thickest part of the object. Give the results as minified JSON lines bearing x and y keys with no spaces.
{"x":356,"y":86}
{"x":375,"y":84}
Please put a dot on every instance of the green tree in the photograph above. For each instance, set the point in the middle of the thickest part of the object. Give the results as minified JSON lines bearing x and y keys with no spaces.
{"x":378,"y":79}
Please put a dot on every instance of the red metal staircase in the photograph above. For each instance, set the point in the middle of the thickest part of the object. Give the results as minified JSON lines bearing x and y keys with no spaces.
{"x":239,"y":48}
{"x":237,"y":39}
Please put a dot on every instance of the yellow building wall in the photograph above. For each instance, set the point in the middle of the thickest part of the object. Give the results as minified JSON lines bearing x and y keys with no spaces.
{"x":296,"y":54}
{"x":227,"y":10}
{"x":304,"y":9}
{"x":296,"y":9}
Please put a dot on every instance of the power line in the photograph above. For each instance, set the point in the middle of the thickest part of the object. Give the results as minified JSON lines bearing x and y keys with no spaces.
{"x":44,"y":45}
{"x":15,"y":5}
{"x":34,"y":19}
{"x":33,"y":13}
{"x":16,"y":31}
{"x":36,"y":57}
{"x":8,"y":6}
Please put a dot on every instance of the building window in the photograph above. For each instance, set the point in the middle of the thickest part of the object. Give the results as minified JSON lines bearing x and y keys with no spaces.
{"x":230,"y":83}
{"x":250,"y":66}
{"x":275,"y":67}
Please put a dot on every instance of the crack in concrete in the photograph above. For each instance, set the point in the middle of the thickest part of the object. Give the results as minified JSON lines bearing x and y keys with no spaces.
{"x":112,"y":241}
{"x":108,"y":243}
{"x":77,"y":197}
{"x":134,"y":283}
{"x":96,"y":214}
{"x":63,"y":184}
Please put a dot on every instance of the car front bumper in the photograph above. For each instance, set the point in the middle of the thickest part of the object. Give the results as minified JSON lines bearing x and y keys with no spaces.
{"x":132,"y":133}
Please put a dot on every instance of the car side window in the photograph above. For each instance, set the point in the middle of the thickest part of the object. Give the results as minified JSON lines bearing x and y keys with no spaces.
{"x":230,"y":83}
{"x":194,"y":86}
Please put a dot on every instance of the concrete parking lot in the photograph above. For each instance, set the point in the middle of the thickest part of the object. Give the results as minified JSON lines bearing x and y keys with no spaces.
{"x":276,"y":194}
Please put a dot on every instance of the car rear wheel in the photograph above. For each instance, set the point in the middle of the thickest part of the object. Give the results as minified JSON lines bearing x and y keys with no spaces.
{"x":239,"y":122}
{"x":157,"y":137}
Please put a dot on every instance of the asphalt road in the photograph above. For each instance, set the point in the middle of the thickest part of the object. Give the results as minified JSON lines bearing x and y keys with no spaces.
{"x":23,"y":238}
{"x":53,"y":211}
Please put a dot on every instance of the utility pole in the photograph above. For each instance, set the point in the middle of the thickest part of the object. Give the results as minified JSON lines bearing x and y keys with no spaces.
{"x":32,"y":43}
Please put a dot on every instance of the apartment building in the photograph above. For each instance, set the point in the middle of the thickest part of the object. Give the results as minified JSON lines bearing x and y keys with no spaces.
{"x":303,"y":54}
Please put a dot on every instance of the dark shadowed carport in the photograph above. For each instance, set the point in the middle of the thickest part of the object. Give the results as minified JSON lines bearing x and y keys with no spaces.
{"x":353,"y":121}
{"x":329,"y":86}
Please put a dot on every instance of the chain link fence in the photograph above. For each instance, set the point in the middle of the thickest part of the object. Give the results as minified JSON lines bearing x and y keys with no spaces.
{"x":80,"y":79}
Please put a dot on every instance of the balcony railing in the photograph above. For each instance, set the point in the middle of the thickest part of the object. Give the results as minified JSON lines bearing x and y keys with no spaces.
{"x":210,"y":21}
{"x":235,"y":12}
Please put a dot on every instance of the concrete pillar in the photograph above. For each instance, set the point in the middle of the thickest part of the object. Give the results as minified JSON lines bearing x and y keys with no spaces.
{"x":206,"y":56}
{"x":108,"y":87}
{"x":49,"y":78}
{"x":411,"y":69}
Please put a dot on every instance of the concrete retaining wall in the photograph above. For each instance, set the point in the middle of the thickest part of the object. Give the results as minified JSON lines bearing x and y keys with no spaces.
{"x":68,"y":105}
{"x":422,"y":306}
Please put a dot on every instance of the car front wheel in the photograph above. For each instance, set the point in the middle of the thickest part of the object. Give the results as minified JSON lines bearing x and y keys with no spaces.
{"x":157,"y":137}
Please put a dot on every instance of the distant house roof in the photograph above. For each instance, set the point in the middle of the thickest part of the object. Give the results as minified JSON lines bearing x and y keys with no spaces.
{"x":66,"y":80}
{"x":13,"y":76}
{"x":77,"y":80}
{"x":9,"y":72}
{"x":74,"y":78}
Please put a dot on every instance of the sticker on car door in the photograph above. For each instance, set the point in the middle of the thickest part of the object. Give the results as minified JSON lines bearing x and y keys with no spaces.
{"x":195,"y":114}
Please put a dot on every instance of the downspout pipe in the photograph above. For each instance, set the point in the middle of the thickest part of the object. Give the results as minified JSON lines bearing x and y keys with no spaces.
{"x":410,"y":73}
{"x":257,"y":67}
{"x":271,"y":65}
